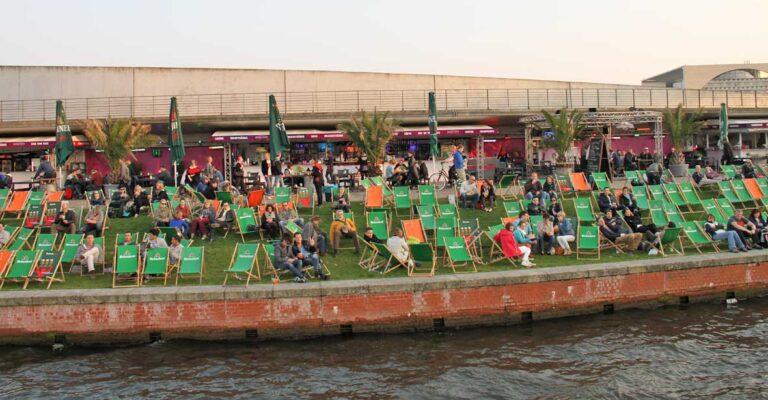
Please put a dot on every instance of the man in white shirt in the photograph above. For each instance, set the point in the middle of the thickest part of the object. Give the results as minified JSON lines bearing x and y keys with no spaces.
{"x":5,"y":236}
{"x":399,"y":247}
{"x":468,"y":192}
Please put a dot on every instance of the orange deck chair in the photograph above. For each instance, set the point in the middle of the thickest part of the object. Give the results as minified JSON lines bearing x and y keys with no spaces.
{"x":508,"y":220}
{"x":413,"y":229}
{"x":55,"y":197}
{"x":579,"y":182}
{"x":255,"y":198}
{"x":17,"y":204}
{"x":754,"y":189}
{"x":374,"y":197}
{"x":5,"y":260}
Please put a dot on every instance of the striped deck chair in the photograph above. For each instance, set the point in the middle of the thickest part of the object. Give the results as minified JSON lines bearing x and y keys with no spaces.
{"x":368,"y":256}
{"x":17,"y":204}
{"x":374,"y":198}
{"x":512,"y":208}
{"x":402,"y":196}
{"x":579,"y":182}
{"x":244,"y":262}
{"x":156,"y":263}
{"x":601,"y":180}
{"x":587,"y":243}
{"x":427,"y":216}
{"x":457,"y":254}
{"x":21,"y":267}
{"x":126,"y":266}
{"x":192,"y":263}
{"x":414,"y":230}
{"x":379,"y":222}
{"x":584,"y":211}
{"x":427,"y":195}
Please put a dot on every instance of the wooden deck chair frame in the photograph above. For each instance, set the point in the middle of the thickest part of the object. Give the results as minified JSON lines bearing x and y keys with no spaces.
{"x":368,"y":255}
{"x":579,"y":182}
{"x":402,"y":200}
{"x":133,"y":264}
{"x":584,"y":211}
{"x":427,"y":216}
{"x":180,"y":270}
{"x":25,"y":240}
{"x":24,"y":271}
{"x":4,"y":193}
{"x":512,"y":208}
{"x":55,"y":269}
{"x":413,"y":229}
{"x":241,"y":219}
{"x":507,"y":187}
{"x":17,"y":204}
{"x":392,"y":262}
{"x":601,"y":181}
{"x":271,"y":269}
{"x":470,"y":229}
{"x":494,"y":246}
{"x":581,"y":253}
{"x":606,"y":244}
{"x":455,"y":249}
{"x":238,"y":264}
{"x":741,"y":192}
{"x":668,"y":239}
{"x":446,"y":209}
{"x":675,"y":196}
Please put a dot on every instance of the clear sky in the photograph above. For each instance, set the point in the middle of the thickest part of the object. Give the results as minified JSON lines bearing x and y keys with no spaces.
{"x":620,"y":41}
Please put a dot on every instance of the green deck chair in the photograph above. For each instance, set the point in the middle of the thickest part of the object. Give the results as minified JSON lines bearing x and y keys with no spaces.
{"x":727,"y":210}
{"x":427,"y":195}
{"x":512,"y":208}
{"x":423,"y":253}
{"x":457,"y":254}
{"x":674,"y":195}
{"x":668,"y":241}
{"x":448,"y":210}
{"x":126,"y":263}
{"x":21,"y":268}
{"x":504,"y":189}
{"x":282,"y":195}
{"x":171,"y":191}
{"x":641,"y":198}
{"x":635,"y":175}
{"x":244,"y":262}
{"x":658,"y":216}
{"x":292,"y":227}
{"x":601,"y":180}
{"x":22,"y":239}
{"x":588,"y":243}
{"x":584,"y":211}
{"x":741,"y":191}
{"x":35,"y":198}
{"x":156,"y":263}
{"x":246,"y":222}
{"x":379,"y":222}
{"x":729,"y":171}
{"x":656,"y":191}
{"x":470,"y":230}
{"x":689,"y":193}
{"x":225,"y":197}
{"x":444,"y":227}
{"x":762,"y":183}
{"x":727,"y":191}
{"x":403,"y":200}
{"x":710,"y":207}
{"x":45,"y":241}
{"x":192,"y":263}
{"x":4,"y":193}
{"x":69,"y":247}
{"x":535,"y":219}
{"x":697,"y":237}
{"x":673,"y":213}
{"x":390,"y":261}
{"x":495,"y":252}
{"x":427,"y":216}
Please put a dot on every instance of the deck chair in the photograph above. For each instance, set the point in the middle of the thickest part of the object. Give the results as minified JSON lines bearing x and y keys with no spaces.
{"x":444,"y":227}
{"x":68,"y":248}
{"x":225,"y":197}
{"x":20,"y":268}
{"x":4,"y":193}
{"x":192,"y":263}
{"x":171,"y":191}
{"x":305,"y":198}
{"x":282,"y":195}
{"x":495,"y":252}
{"x":601,"y":180}
{"x":588,"y":243}
{"x":414,"y":230}
{"x":727,"y":191}
{"x":656,"y":192}
{"x":36,"y":198}
{"x":427,"y":195}
{"x":423,"y":253}
{"x":56,"y":196}
{"x":579,"y":182}
{"x":374,"y":198}
{"x":710,"y":207}
{"x":385,"y":188}
{"x":246,"y":222}
{"x":740,"y":189}
{"x":22,"y":239}
{"x":727,"y":210}
{"x":670,"y":238}
{"x":690,"y":194}
{"x":47,"y":269}
{"x":584,"y":211}
{"x":470,"y":230}
{"x":403,"y":200}
{"x":33,"y":217}
{"x":729,"y":171}
{"x":45,"y":242}
{"x":427,"y":216}
{"x":391,"y":260}
{"x":673,"y":213}
{"x":762,"y":183}
{"x":12,"y":232}
{"x":448,"y":210}
{"x":674,"y":196}
{"x":505,"y":187}
{"x":658,"y":216}
{"x":244,"y":262}
{"x":457,"y":254}
{"x":564,"y":185}
{"x":637,"y":176}
{"x":379,"y":222}
{"x":698,"y":238}
{"x":17,"y":204}
{"x":126,"y":266}
{"x":641,"y":198}
{"x":512,"y":208}
{"x":368,"y":255}
{"x":255,"y":197}
{"x":6,"y":258}
{"x":754,"y":190}
{"x":50,"y":211}
{"x":156,"y":263}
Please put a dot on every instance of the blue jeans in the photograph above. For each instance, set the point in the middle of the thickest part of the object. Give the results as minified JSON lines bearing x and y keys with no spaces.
{"x":542,"y":196}
{"x":314,"y":261}
{"x":295,"y":267}
{"x":734,"y":242}
{"x":472,"y":198}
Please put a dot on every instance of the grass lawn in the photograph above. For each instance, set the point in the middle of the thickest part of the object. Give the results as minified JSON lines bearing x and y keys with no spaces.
{"x":342,"y":266}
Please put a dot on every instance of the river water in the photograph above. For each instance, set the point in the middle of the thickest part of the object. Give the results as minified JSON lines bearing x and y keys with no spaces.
{"x":706,"y":350}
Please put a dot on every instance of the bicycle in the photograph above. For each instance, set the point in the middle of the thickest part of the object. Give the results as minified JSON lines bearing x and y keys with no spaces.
{"x":441,"y":179}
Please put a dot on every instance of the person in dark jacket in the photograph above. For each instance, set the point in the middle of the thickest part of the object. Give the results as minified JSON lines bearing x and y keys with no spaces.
{"x":45,"y":170}
{"x":371,"y":237}
{"x":306,"y":251}
{"x":607,"y":201}
{"x":284,"y":259}
{"x":627,"y":200}
{"x":318,"y":181}
{"x":748,"y":170}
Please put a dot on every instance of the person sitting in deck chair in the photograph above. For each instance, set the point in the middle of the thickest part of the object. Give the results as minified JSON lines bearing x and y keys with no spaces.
{"x":312,"y":232}
{"x":627,"y":200}
{"x":533,"y":188}
{"x":468,"y":193}
{"x":93,"y":221}
{"x":163,"y":214}
{"x":709,"y":177}
{"x":87,"y":254}
{"x":624,"y":241}
{"x":284,"y":259}
{"x":308,"y":254}
{"x":180,"y":224}
{"x":66,"y":220}
{"x":546,"y":235}
{"x":159,"y":192}
{"x":399,"y":247}
{"x":175,"y":250}
{"x":5,"y":236}
{"x":289,"y":214}
{"x":343,"y":227}
{"x":224,"y":221}
{"x":525,"y":241}
{"x":534,"y":207}
{"x":718,"y":232}
{"x":745,"y":229}
{"x":152,"y":241}
{"x":748,"y":170}
{"x":565,"y":233}
{"x":371,"y":237}
{"x":607,"y":201}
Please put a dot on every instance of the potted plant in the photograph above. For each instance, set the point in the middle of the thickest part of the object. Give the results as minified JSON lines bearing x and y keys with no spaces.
{"x":566,"y":127}
{"x":117,"y":140}
{"x":370,"y":133}
{"x":681,"y":127}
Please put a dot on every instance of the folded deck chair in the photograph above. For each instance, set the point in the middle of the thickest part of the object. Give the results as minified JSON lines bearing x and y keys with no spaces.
{"x":403,"y":200}
{"x":192,"y":263}
{"x":21,"y":267}
{"x":457,"y":253}
{"x":587,"y":243}
{"x":244,"y":262}
{"x":126,"y":266}
{"x":368,"y":255}
{"x":379,"y":222}
{"x":427,"y":195}
{"x":506,"y":187}
{"x":470,"y":230}
{"x":156,"y":263}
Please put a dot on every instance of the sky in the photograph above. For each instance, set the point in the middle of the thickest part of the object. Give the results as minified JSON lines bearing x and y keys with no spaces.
{"x":619,"y":41}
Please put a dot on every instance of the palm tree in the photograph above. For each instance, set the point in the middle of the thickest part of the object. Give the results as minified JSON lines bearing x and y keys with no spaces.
{"x":117,"y":139}
{"x":566,"y":128}
{"x":371,"y":133}
{"x":682,"y":126}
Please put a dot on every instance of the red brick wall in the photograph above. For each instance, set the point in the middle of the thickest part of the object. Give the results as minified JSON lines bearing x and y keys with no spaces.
{"x":386,"y":311}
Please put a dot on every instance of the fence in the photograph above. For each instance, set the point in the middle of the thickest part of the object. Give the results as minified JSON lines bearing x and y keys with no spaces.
{"x":255,"y":104}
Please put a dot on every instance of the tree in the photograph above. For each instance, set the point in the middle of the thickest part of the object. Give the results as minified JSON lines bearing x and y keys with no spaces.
{"x":370,"y":133}
{"x":117,"y":139}
{"x":681,"y":126}
{"x":566,"y":127}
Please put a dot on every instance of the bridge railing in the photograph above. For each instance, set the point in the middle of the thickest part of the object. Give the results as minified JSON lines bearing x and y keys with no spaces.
{"x":255,"y":104}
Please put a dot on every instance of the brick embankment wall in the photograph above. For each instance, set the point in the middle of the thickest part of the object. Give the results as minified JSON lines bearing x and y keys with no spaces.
{"x":382,"y":305}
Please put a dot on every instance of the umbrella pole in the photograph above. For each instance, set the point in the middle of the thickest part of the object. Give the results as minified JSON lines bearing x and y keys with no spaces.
{"x":175,"y":178}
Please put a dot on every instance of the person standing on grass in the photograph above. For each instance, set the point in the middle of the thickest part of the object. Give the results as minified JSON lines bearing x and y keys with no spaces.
{"x":318,"y":181}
